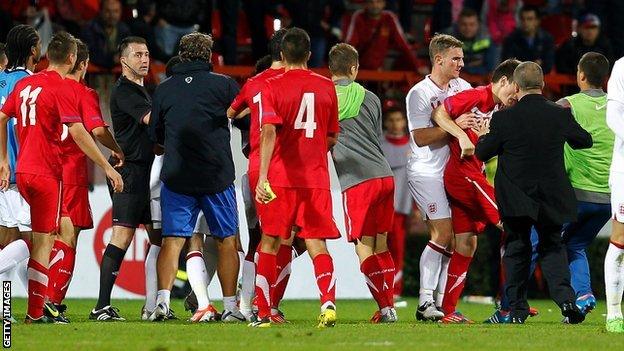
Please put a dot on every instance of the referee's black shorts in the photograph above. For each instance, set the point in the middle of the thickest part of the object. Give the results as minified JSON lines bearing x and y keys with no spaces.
{"x":131,"y":207}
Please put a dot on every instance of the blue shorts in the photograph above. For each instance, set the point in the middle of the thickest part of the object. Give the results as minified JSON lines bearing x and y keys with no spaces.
{"x":180,"y":211}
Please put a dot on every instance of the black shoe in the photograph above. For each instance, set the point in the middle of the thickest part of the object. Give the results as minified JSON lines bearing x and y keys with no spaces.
{"x":106,"y":314}
{"x":41,"y":320}
{"x":171,"y":315}
{"x":49,"y":310}
{"x":518,"y":317}
{"x":190,"y":302}
{"x":571,"y":313}
{"x":61,"y":308}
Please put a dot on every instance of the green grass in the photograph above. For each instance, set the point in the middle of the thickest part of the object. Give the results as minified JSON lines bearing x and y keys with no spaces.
{"x":353,"y":332}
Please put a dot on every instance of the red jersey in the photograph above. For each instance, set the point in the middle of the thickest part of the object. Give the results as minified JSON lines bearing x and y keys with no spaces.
{"x":74,"y":160}
{"x":41,"y":103}
{"x":304,"y":108}
{"x":374,"y":37}
{"x":250,"y":96}
{"x":479,"y":101}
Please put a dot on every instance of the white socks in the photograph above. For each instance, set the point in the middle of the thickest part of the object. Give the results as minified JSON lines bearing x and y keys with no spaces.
{"x":430,"y":267}
{"x":614,"y":280}
{"x":229,"y":303}
{"x":151,"y":277}
{"x":163,"y":296}
{"x":444,"y":264}
{"x":198,"y":278}
{"x":248,"y":285}
{"x":12,"y":254}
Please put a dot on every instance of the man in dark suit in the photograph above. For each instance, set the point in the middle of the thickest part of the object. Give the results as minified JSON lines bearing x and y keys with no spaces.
{"x":532,"y":188}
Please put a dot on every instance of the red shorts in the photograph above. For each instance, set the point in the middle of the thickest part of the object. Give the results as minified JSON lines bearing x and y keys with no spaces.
{"x":308,"y":209}
{"x":369,"y":208}
{"x":76,"y":206}
{"x":43,"y":194}
{"x":473,"y":203}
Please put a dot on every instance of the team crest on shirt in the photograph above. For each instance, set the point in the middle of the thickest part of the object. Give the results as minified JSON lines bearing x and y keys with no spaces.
{"x":621,"y":209}
{"x":432,"y":207}
{"x":188,"y":80}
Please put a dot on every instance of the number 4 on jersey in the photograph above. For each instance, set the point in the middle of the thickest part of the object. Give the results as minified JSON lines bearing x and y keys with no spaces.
{"x":307,"y":106}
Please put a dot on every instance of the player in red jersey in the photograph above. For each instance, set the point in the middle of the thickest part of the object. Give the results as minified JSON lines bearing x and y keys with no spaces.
{"x":76,"y":211}
{"x":299,"y":123}
{"x":42,"y":103}
{"x":249,"y":98}
{"x":472,"y":198}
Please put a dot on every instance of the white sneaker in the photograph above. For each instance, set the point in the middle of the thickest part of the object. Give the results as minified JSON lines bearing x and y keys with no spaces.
{"x":428,"y":312}
{"x":248,"y":314}
{"x":390,"y":316}
{"x":160,"y":313}
{"x":145,"y":314}
{"x":229,"y":317}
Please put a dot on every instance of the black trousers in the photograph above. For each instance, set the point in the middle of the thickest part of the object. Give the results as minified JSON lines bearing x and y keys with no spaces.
{"x":517,"y":262}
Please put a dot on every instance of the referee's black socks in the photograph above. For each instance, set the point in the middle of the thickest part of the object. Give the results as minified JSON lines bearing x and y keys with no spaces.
{"x":111,"y":261}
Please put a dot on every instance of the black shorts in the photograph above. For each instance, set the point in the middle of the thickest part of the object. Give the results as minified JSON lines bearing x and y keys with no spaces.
{"x":131,"y":207}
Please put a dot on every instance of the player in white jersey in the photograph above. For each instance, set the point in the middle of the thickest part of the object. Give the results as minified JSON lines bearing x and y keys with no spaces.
{"x":425,"y":168}
{"x":614,"y":260}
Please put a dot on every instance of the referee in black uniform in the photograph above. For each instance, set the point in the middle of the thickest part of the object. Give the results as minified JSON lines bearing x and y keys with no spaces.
{"x":130,"y":106}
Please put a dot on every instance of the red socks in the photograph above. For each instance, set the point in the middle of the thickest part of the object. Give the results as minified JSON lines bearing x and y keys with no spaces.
{"x":265,"y":278}
{"x":458,"y":268}
{"x":387,"y":265}
{"x":37,"y":285}
{"x":375,"y":280}
{"x":284,"y":257}
{"x":324,"y":272}
{"x":62,"y":259}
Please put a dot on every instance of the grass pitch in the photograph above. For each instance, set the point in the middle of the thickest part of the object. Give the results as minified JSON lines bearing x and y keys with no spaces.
{"x":353,"y":331}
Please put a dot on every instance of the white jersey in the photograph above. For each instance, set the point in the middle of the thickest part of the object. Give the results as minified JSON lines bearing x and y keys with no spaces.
{"x":615,"y":114}
{"x":421,"y":100}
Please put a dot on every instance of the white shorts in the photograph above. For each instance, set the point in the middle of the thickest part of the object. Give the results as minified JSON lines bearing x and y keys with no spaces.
{"x":616,"y":182}
{"x":156,"y":213}
{"x":249,"y":201}
{"x":430,"y":196}
{"x":201,"y":226}
{"x":14,"y":210}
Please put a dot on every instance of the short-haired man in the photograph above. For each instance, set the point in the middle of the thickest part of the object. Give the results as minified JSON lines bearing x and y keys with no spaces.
{"x":293,"y":160}
{"x":472,"y":198}
{"x":250,"y":97}
{"x":365,"y":178}
{"x":588,"y":171}
{"x":189,"y":120}
{"x":23,"y":48}
{"x":130,"y":107}
{"x":425,"y":169}
{"x":479,"y":51}
{"x":532,"y":189}
{"x":76,"y":211}
{"x":529,"y":42}
{"x":614,"y":259}
{"x":50,"y":102}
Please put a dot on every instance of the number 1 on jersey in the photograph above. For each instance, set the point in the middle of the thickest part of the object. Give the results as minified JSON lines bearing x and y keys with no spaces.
{"x":257,"y":99}
{"x":307,"y":106}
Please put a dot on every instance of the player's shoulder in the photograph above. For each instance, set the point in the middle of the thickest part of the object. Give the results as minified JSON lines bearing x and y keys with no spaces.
{"x":459,"y":83}
{"x":322,"y":79}
{"x":423,"y":89}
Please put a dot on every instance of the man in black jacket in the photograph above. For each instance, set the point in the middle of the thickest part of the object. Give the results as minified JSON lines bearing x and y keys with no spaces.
{"x":532,"y":188}
{"x":189,"y":120}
